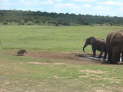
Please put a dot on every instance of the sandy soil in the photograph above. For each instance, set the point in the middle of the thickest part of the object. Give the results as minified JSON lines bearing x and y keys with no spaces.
{"x":67,"y":57}
{"x":72,"y":57}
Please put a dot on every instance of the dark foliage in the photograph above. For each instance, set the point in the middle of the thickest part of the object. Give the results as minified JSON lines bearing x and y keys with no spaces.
{"x":43,"y":18}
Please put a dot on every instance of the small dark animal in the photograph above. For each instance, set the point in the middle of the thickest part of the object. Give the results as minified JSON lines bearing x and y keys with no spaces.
{"x":21,"y":52}
{"x":97,"y":44}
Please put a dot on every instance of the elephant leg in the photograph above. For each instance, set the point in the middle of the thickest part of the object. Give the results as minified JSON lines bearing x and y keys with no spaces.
{"x":109,"y":55}
{"x":115,"y":55}
{"x":100,"y":55}
{"x":105,"y":55}
{"x":122,"y":56}
{"x":104,"y":58}
{"x":94,"y":52}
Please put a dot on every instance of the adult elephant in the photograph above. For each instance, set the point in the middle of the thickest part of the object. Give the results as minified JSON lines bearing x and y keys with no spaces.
{"x":114,"y":43}
{"x":96,"y":44}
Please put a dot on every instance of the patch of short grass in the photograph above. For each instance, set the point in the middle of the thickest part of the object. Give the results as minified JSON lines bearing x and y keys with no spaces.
{"x":50,"y":38}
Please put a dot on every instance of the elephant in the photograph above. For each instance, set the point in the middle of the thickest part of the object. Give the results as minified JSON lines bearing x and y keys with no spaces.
{"x":96,"y":44}
{"x":114,"y":46}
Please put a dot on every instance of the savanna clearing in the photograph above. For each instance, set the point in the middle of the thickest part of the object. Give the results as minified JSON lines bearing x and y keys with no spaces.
{"x":52,"y":63}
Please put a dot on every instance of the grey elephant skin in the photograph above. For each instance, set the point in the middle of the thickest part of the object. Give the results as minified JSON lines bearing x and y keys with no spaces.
{"x":96,"y":44}
{"x":114,"y":43}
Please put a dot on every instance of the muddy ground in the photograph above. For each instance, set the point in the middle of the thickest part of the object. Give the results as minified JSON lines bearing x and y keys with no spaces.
{"x":67,"y":57}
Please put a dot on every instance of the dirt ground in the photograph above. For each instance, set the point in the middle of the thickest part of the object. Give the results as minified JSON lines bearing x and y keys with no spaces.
{"x":68,"y":57}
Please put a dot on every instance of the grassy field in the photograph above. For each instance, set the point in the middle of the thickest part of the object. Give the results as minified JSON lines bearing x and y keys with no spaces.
{"x":18,"y":74}
{"x":50,"y":38}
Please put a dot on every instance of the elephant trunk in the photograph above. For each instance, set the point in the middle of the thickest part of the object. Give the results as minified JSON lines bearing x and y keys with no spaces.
{"x":84,"y":47}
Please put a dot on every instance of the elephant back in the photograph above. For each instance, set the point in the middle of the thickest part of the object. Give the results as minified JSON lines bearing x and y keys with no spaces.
{"x":117,"y":38}
{"x":114,"y":38}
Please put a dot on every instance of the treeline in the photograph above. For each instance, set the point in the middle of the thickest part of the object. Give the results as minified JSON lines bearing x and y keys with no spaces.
{"x":44,"y":18}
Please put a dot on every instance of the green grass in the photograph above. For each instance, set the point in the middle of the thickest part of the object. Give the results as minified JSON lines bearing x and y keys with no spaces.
{"x":18,"y":75}
{"x":50,"y":38}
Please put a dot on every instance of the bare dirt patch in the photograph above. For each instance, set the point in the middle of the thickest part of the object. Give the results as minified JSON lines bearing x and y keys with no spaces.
{"x":39,"y":63}
{"x":102,"y":90}
{"x":93,"y":71}
{"x":71,"y":57}
{"x":67,"y":57}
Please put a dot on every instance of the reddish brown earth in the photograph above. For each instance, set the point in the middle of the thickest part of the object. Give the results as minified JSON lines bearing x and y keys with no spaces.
{"x":67,"y":57}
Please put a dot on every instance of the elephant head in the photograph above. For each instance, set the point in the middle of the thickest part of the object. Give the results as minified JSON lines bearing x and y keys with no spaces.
{"x":89,"y":41}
